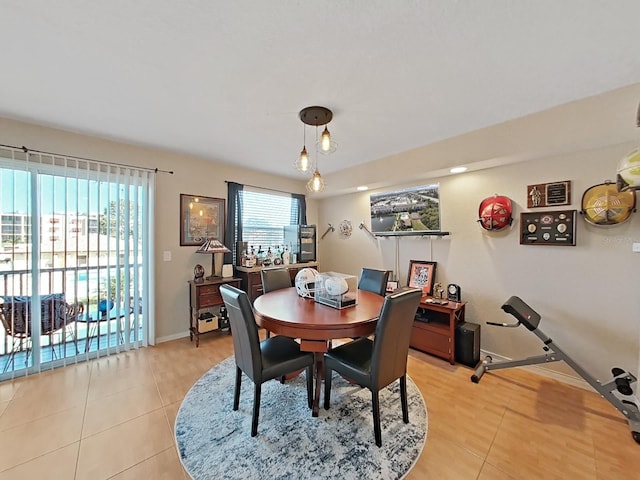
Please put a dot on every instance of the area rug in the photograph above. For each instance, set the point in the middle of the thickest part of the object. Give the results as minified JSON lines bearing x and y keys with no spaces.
{"x":214,"y":442}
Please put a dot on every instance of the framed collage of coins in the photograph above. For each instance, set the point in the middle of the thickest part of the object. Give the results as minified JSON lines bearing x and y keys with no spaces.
{"x":548,"y":228}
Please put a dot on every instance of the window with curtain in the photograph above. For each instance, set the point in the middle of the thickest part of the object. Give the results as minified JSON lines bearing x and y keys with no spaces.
{"x":76,"y":232}
{"x":257,"y":216}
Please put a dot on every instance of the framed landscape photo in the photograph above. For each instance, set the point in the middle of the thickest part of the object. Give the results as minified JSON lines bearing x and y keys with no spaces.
{"x":415,"y":209}
{"x":422,"y":275}
{"x":201,"y":218}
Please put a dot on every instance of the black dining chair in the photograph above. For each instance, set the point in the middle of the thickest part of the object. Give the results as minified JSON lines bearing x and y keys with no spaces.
{"x":376,"y":363}
{"x":274,"y":279}
{"x":260,"y":361}
{"x":373,"y":280}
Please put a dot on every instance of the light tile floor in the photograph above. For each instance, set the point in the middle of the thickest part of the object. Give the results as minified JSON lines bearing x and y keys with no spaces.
{"x":112,"y":418}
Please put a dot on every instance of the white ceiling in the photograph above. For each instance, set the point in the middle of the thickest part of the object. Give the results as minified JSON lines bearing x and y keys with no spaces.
{"x":225,"y":80}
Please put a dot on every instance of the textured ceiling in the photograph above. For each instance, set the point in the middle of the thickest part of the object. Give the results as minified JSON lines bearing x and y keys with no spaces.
{"x":225,"y":80}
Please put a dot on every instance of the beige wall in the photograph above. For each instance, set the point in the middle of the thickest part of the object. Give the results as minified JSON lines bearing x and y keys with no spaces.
{"x":191,"y":175}
{"x":587,"y":294}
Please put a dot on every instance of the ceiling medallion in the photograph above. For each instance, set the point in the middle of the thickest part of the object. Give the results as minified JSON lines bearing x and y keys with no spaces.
{"x":316,"y":116}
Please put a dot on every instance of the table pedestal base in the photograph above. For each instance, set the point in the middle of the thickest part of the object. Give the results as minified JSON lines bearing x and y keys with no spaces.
{"x":318,"y":347}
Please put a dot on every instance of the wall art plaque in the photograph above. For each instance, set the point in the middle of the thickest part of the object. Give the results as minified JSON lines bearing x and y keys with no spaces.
{"x":548,"y":228}
{"x":549,"y":194}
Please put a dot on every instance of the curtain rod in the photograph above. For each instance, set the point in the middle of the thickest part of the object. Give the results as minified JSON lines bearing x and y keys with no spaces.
{"x":27,"y":150}
{"x":263,"y":188}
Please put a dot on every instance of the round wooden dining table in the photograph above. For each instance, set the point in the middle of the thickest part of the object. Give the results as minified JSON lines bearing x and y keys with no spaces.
{"x":284,"y":312}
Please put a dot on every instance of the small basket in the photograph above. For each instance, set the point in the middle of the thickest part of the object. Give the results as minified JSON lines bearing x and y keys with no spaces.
{"x":207,"y":324}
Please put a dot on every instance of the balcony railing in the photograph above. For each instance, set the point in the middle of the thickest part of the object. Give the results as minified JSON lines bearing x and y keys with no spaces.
{"x":104,"y":315}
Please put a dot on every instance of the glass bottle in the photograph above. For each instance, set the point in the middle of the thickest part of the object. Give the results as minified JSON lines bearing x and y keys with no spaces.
{"x":251,"y":258}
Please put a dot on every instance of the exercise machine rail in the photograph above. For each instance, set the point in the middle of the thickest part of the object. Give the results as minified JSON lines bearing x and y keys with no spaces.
{"x":622,"y":381}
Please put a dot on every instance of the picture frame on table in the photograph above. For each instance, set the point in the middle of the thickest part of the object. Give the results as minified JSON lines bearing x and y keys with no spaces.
{"x":422,"y":275}
{"x":201,"y":218}
{"x":392,"y":285}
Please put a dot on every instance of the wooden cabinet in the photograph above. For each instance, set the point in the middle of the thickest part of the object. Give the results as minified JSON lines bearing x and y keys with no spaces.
{"x":205,"y":295}
{"x":251,"y":281}
{"x":434,"y":331}
{"x":252,"y":284}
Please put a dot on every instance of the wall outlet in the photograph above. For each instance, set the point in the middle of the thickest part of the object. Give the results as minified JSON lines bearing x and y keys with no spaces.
{"x":635,"y":247}
{"x":166,"y":255}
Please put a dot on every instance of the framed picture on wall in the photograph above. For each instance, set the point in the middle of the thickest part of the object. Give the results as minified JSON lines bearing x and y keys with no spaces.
{"x":422,"y":275}
{"x":405,"y":211}
{"x":201,"y":218}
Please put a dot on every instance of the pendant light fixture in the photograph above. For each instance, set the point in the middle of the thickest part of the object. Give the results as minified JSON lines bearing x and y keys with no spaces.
{"x":315,"y":116}
{"x":303,"y":164}
{"x":316,"y":182}
{"x":325,"y":141}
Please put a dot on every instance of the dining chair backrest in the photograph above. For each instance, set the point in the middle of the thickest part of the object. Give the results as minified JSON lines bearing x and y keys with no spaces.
{"x":392,"y":336}
{"x":246,"y":343}
{"x":373,"y":280}
{"x":275,"y":279}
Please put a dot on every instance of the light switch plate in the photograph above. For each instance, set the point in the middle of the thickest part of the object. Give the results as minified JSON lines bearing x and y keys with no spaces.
{"x":166,"y":255}
{"x":635,"y":247}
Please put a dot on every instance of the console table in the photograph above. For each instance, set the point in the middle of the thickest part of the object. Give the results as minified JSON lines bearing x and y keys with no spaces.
{"x":205,"y":294}
{"x":434,"y":330}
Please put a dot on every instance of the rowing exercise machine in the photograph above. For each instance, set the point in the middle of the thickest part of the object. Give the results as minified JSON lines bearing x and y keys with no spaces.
{"x":621,"y":383}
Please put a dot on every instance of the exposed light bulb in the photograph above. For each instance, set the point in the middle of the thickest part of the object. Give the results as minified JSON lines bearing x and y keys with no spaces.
{"x":316,"y":183}
{"x":325,"y":140}
{"x":303,"y":161}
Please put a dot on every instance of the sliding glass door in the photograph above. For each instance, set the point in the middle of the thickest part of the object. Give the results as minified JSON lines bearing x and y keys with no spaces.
{"x":75,"y":278}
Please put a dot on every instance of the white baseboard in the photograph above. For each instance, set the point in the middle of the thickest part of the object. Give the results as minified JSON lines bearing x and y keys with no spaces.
{"x":175,"y":336}
{"x":546,"y":372}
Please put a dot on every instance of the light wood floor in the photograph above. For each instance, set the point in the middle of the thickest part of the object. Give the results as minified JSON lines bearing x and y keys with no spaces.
{"x":113,"y":418}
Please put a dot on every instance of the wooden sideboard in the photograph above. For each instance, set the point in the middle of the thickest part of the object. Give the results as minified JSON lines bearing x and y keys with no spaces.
{"x":435,"y":332}
{"x":203,"y":295}
{"x":252,"y":281}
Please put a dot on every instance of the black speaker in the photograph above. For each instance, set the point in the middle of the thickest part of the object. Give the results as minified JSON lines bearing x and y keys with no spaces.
{"x":468,"y":344}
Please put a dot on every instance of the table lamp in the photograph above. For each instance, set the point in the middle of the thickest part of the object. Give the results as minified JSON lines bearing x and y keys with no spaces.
{"x":212,"y":246}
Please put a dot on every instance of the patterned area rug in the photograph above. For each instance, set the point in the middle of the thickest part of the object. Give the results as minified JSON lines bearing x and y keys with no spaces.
{"x":215,"y":442}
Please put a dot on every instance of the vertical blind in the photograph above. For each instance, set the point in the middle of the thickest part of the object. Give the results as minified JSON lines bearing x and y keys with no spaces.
{"x":79,"y":229}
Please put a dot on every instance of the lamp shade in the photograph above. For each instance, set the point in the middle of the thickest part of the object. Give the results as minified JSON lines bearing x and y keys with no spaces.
{"x":325,"y":141}
{"x":316,"y":183}
{"x":212,"y":245}
{"x":303,"y":164}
